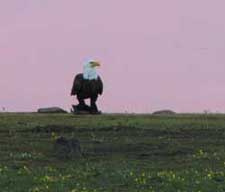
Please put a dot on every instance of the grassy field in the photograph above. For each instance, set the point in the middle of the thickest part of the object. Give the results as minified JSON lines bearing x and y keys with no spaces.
{"x":120,"y":153}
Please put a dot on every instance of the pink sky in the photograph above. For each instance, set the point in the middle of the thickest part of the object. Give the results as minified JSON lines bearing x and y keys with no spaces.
{"x":155,"y":54}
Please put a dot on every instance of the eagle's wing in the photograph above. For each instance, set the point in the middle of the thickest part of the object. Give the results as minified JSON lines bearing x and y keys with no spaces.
{"x":100,"y":85}
{"x":77,"y":84}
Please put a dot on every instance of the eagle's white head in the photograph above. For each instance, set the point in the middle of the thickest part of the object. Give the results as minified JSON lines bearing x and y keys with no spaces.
{"x":90,"y":71}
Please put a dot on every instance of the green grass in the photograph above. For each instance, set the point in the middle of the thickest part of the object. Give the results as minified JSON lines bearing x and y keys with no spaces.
{"x":121,"y":153}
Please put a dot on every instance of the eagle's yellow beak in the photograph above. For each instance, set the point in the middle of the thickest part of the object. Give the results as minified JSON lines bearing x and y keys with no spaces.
{"x":95,"y":64}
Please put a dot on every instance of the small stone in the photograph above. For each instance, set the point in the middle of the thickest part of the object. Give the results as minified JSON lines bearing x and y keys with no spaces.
{"x":67,"y":148}
{"x":52,"y":110}
{"x":164,"y":112}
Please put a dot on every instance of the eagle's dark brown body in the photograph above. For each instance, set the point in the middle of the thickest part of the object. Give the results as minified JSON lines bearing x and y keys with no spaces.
{"x":85,"y":89}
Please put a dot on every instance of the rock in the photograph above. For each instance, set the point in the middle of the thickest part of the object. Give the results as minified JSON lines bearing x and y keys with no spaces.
{"x":51,"y":110}
{"x":85,"y":110}
{"x":77,"y":110}
{"x":164,"y":112}
{"x":67,"y":148}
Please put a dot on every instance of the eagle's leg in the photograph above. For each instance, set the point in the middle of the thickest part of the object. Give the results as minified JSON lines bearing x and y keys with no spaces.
{"x":82,"y":105}
{"x":94,"y":107}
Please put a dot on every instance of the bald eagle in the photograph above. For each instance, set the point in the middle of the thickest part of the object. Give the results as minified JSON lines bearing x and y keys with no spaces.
{"x":87,"y":85}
